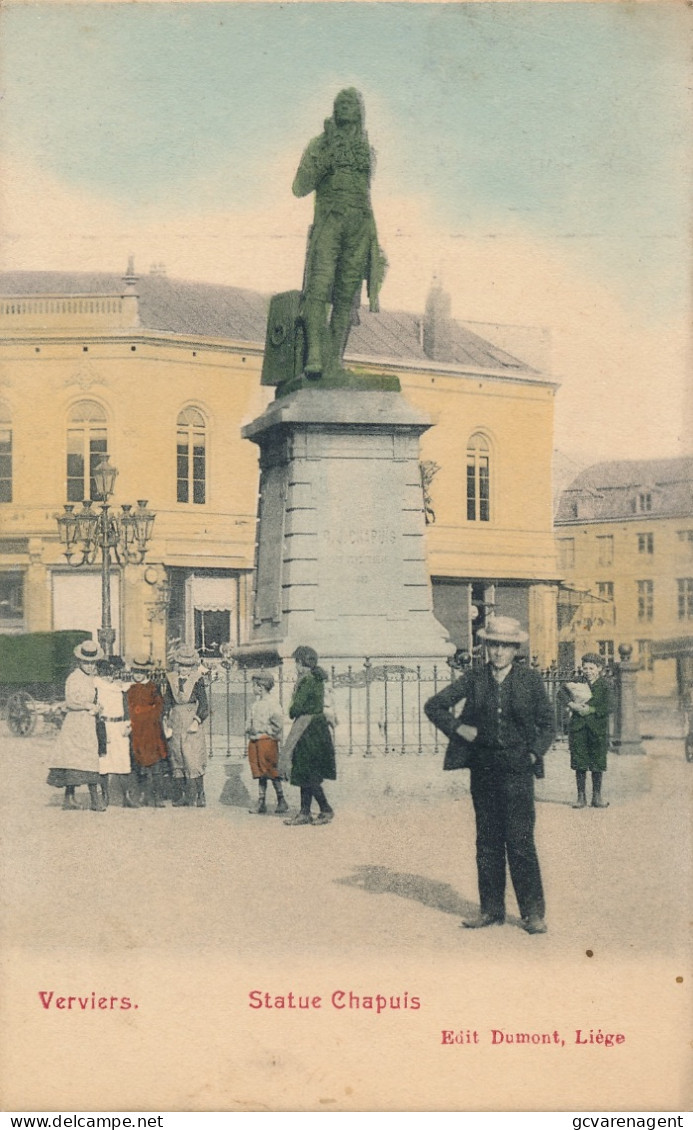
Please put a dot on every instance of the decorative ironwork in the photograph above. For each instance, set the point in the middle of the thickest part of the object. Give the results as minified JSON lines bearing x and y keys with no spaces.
{"x":86,"y":533}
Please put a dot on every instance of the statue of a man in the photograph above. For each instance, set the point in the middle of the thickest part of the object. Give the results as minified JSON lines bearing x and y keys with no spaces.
{"x":342,"y":242}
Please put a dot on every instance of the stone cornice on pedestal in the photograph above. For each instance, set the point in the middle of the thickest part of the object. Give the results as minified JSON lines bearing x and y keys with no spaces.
{"x":340,"y":407}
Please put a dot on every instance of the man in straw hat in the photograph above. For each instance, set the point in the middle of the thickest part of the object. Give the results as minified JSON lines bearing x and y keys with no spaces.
{"x":508,"y":722}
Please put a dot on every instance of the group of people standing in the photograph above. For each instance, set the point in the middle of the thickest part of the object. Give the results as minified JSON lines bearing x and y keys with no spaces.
{"x":126,"y":741}
{"x":307,"y":757}
{"x":117,"y":739}
{"x":130,"y":744}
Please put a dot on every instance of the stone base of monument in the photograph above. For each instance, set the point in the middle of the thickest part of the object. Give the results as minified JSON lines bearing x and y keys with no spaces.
{"x":340,"y":556}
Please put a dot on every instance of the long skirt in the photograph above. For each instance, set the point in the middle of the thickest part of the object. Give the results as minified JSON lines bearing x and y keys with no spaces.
{"x":187,"y":752}
{"x":61,"y":778}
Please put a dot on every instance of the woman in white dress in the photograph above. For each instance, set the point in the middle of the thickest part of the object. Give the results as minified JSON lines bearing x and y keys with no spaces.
{"x":117,"y":783}
{"x":76,"y":759}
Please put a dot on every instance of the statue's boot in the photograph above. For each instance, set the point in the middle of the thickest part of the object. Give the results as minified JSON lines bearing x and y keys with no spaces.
{"x":314,"y":321}
{"x":340,"y":324}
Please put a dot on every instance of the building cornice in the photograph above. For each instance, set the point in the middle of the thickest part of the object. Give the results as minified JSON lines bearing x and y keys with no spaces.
{"x":637,"y":519}
{"x":139,"y":336}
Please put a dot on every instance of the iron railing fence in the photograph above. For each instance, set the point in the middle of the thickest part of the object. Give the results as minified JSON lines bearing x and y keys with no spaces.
{"x":378,"y":705}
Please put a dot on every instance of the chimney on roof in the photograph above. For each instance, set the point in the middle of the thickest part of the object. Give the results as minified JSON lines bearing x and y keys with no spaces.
{"x":158,"y":270}
{"x":130,"y":278}
{"x":437,"y":327}
{"x":131,"y":315}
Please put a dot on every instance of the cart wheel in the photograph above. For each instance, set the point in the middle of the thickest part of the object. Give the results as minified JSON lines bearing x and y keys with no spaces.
{"x":689,"y":747}
{"x":21,"y":718}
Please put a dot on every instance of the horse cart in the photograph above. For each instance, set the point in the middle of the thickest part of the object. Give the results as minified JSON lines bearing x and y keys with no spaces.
{"x":33,"y":670}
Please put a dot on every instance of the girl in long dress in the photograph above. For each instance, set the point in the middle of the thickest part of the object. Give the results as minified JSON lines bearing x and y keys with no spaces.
{"x":76,"y":760}
{"x":117,"y":784}
{"x":309,"y":743}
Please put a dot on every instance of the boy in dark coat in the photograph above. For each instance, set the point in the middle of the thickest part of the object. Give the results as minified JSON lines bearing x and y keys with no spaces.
{"x":588,"y":733}
{"x":310,"y":741}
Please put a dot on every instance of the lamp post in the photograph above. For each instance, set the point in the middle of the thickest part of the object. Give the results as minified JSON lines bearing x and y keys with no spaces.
{"x":86,"y":532}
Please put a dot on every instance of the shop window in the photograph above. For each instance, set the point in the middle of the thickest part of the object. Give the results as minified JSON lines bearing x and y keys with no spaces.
{"x":11,"y":602}
{"x":478,"y":479}
{"x":191,"y":456}
{"x":212,"y":629}
{"x":87,"y":446}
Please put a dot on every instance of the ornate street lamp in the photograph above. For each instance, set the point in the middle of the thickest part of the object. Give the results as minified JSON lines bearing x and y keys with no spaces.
{"x":87,"y":533}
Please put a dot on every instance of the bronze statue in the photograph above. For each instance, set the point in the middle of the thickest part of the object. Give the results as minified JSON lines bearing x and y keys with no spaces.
{"x":342,"y":242}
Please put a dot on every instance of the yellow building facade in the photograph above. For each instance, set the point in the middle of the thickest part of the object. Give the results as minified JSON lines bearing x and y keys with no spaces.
{"x":160,"y":376}
{"x":624,"y":533}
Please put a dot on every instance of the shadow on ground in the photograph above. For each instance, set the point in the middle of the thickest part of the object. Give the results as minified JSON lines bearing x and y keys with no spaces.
{"x":429,"y":892}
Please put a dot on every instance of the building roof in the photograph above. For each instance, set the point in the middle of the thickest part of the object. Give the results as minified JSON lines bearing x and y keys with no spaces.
{"x":180,"y":307}
{"x":612,"y":491}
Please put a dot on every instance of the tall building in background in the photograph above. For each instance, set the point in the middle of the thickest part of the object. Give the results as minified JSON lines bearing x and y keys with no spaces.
{"x":624,"y":534}
{"x":160,"y":375}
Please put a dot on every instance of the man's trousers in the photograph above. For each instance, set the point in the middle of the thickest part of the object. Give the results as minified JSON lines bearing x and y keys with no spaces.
{"x":504,"y":808}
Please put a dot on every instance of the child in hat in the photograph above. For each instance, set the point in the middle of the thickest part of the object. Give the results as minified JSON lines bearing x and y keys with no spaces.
{"x":264,"y":733}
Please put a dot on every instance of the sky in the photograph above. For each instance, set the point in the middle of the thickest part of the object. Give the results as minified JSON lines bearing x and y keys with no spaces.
{"x":533,"y":157}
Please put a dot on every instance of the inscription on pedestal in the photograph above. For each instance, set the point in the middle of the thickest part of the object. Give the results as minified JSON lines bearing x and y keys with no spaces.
{"x":359,"y":541}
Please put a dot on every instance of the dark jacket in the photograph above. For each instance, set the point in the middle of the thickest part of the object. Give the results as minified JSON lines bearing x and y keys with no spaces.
{"x":513,"y":743}
{"x":313,"y":757}
{"x":588,"y":734}
{"x":440,"y":710}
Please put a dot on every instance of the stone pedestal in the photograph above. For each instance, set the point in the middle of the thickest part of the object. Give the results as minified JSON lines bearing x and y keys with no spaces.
{"x":626,"y":724}
{"x":340,"y":556}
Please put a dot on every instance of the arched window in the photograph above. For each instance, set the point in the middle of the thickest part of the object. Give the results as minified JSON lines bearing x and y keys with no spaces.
{"x":5,"y":454}
{"x":478,"y":479}
{"x":191,"y":456}
{"x":87,"y":445}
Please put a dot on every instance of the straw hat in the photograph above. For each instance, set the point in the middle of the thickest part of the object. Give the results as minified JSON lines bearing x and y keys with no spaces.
{"x":88,"y":652}
{"x":503,"y":629}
